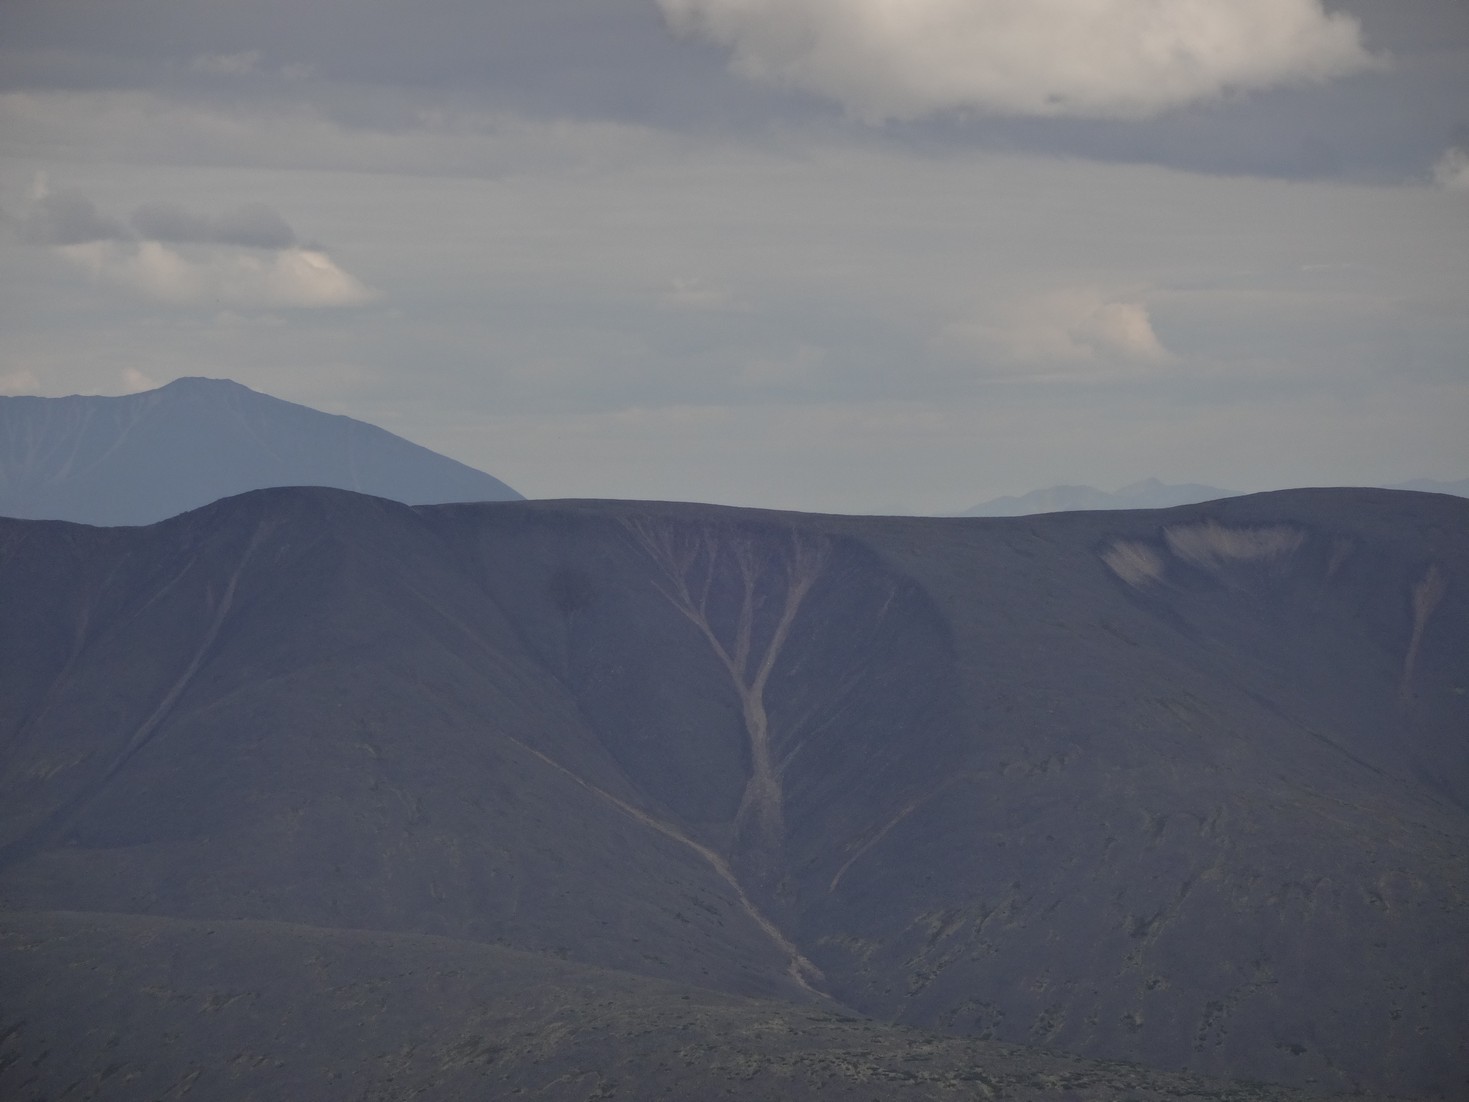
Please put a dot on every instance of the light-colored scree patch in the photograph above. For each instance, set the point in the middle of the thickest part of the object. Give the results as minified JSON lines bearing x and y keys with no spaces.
{"x":1135,"y":563}
{"x":1426,"y":597}
{"x":1213,"y":545}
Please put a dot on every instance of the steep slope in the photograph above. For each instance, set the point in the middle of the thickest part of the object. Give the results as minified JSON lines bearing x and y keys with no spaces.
{"x":143,"y":457}
{"x":1128,"y":785}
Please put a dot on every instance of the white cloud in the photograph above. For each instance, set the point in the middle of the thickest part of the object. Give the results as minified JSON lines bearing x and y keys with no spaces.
{"x":247,"y":257}
{"x":224,"y":277}
{"x":884,"y":59}
{"x":1062,"y":333}
{"x":134,"y":381}
{"x":20,"y":381}
{"x":1122,"y":330}
{"x":1451,"y":172}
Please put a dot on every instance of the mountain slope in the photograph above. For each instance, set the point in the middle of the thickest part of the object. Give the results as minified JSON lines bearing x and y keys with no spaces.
{"x":1128,"y":785}
{"x":126,"y":1006}
{"x":143,"y":457}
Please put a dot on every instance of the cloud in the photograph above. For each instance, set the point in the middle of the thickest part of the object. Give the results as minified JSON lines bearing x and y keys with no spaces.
{"x":793,"y":369}
{"x":134,"y":381}
{"x":1062,"y":333}
{"x":20,"y":381}
{"x":899,"y":59}
{"x":253,"y":226}
{"x":238,"y":64}
{"x":1121,"y":330}
{"x":245,"y":63}
{"x":229,"y":277}
{"x":695,"y":293}
{"x":1451,"y":172}
{"x":66,"y":218}
{"x":247,"y":258}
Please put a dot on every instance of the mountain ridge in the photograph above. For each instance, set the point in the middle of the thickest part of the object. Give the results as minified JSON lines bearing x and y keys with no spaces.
{"x":140,"y":458}
{"x":1151,"y":493}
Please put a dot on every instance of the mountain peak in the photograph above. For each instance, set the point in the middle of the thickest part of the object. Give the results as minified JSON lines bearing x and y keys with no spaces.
{"x":142,"y":457}
{"x":200,"y":383}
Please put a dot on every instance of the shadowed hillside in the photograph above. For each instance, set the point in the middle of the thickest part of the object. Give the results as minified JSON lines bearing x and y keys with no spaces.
{"x":1132,"y":786}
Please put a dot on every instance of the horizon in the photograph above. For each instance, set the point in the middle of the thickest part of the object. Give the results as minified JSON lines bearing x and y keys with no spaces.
{"x":661,"y":250}
{"x":1150,"y":486}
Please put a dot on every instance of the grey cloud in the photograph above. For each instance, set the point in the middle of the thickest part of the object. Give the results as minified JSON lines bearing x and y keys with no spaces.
{"x":246,"y":258}
{"x":169,"y":222}
{"x":385,"y":67}
{"x":1451,"y":171}
{"x":253,"y":226}
{"x":229,"y":65}
{"x":67,"y":218}
{"x":586,"y":50}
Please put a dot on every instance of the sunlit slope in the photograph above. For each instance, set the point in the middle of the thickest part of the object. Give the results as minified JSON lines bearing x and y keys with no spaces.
{"x":1182,"y":787}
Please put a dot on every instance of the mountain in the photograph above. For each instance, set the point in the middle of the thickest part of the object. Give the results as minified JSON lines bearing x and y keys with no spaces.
{"x":144,"y":457}
{"x":1147,"y":494}
{"x":616,"y":799}
{"x":1459,"y":488}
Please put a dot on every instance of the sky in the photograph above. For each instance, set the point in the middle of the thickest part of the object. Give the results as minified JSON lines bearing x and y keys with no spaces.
{"x":826,"y":255}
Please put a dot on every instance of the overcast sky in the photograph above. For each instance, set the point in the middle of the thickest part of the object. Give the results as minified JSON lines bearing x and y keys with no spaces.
{"x":837,"y":255}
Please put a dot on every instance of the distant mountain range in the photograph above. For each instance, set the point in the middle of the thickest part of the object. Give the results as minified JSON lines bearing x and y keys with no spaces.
{"x":1147,"y":494}
{"x":140,"y":458}
{"x":1459,"y":488}
{"x":307,"y":794}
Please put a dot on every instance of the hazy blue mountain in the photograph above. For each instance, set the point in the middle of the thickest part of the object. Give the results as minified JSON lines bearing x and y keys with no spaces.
{"x":306,"y":794}
{"x":1147,"y":494}
{"x":1459,"y":488}
{"x":140,"y":458}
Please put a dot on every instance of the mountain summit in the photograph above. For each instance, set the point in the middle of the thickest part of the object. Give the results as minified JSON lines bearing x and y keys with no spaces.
{"x":143,"y":457}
